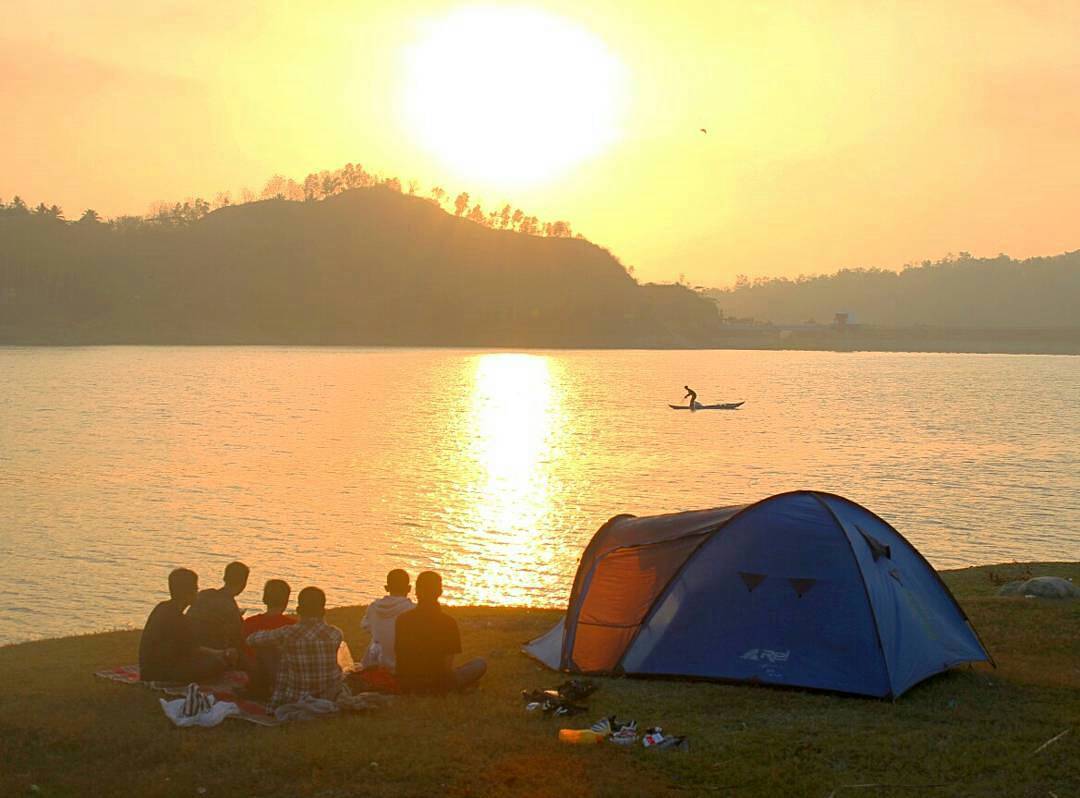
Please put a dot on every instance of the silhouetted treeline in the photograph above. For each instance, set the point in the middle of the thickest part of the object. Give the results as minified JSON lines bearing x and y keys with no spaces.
{"x":959,"y":291}
{"x":320,"y":185}
{"x":362,"y":266}
{"x":316,"y":186}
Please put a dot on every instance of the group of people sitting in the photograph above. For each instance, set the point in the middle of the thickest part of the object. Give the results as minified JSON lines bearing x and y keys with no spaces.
{"x":196,"y":635}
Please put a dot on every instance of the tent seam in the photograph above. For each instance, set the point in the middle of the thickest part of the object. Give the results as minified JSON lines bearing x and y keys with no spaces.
{"x":866,"y":592}
{"x":932,"y":569}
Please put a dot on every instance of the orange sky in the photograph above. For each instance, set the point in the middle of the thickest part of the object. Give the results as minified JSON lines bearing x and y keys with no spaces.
{"x":840,"y":133}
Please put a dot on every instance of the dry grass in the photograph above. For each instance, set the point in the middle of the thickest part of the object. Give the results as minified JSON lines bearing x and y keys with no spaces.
{"x":970,"y":732}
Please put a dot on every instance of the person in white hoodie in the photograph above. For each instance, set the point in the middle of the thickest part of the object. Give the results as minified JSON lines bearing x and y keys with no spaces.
{"x":380,"y":619}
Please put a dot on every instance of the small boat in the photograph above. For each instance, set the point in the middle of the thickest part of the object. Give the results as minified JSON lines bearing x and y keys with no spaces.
{"x":725,"y":406}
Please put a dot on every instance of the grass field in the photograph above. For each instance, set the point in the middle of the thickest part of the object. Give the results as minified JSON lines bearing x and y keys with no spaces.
{"x":969,"y":732}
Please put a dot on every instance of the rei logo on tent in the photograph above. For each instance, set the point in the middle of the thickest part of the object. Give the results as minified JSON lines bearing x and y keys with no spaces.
{"x":766,"y":655}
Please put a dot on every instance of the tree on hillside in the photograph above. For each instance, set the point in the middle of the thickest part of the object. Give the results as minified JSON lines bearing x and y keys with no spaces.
{"x":18,"y":207}
{"x":349,"y":176}
{"x":125,"y":224}
{"x":476,"y":214}
{"x":158,"y":212}
{"x":49,"y":212}
{"x":280,"y":187}
{"x":360,"y":178}
{"x":558,"y":229}
{"x":317,"y":186}
{"x":178,"y":214}
{"x":320,"y":185}
{"x":329,"y":184}
{"x":275,"y":187}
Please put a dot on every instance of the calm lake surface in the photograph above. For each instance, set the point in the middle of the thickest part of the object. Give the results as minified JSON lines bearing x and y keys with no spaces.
{"x":331,"y":466}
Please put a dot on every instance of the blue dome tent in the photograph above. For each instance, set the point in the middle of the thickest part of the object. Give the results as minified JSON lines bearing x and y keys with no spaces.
{"x":802,"y":589}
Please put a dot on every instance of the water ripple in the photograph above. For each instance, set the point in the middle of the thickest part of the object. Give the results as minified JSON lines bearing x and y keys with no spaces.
{"x":331,"y":466}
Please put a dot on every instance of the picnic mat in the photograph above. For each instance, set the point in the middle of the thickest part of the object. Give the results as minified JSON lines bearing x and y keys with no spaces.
{"x":223,"y":688}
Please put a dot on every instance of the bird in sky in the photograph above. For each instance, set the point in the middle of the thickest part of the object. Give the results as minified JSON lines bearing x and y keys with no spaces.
{"x":703,"y":130}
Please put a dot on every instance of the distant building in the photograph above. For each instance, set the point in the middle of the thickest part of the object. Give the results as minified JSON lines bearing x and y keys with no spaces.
{"x":842,"y":320}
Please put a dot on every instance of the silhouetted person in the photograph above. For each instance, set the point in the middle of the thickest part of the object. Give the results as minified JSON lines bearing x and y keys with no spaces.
{"x":381,"y":618}
{"x":427,"y":640}
{"x":215,"y":617}
{"x":308,"y":652}
{"x":263,"y":662}
{"x":690,"y":392}
{"x":168,"y":651}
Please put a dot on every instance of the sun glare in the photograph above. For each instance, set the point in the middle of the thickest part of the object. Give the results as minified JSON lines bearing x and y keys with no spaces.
{"x":516,"y":425}
{"x":511,"y":96}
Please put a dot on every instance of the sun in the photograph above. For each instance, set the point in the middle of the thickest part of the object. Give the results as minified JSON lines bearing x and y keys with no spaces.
{"x":511,"y":96}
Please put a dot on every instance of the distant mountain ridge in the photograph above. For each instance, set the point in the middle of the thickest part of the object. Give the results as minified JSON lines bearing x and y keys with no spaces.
{"x":963,"y":292}
{"x":367,"y":266}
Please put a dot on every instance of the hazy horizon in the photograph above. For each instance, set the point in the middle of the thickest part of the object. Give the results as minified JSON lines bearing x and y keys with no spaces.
{"x":846,"y":137}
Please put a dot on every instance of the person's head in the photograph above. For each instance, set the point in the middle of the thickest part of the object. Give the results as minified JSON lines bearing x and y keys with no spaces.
{"x":397,"y":583}
{"x":183,"y":585}
{"x":311,"y":603}
{"x":428,"y":586}
{"x":276,"y":594}
{"x":236,"y":576}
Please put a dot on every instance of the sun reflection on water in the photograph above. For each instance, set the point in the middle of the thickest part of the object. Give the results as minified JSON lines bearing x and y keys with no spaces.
{"x":330,"y":467}
{"x":513,"y":428}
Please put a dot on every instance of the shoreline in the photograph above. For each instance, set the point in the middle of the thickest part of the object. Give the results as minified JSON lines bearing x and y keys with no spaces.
{"x":946,"y":573}
{"x":974,"y":730}
{"x":1068,"y":348}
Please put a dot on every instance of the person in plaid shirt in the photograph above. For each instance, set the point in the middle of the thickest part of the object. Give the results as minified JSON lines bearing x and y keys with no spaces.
{"x":308,"y":651}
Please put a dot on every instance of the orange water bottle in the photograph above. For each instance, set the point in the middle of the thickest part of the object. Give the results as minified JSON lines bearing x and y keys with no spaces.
{"x":580,"y":736}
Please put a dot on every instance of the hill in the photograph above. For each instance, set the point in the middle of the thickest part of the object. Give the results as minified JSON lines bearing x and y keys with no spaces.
{"x":964,"y":292}
{"x":367,"y":266}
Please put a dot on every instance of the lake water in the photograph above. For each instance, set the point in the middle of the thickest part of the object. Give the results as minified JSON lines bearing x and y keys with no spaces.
{"x":331,"y":466}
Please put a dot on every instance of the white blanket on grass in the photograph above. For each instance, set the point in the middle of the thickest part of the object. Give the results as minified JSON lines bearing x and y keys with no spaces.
{"x":174,"y":710}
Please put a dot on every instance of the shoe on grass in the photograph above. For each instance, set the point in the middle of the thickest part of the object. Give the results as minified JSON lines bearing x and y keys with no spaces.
{"x":673,"y":744}
{"x":654,"y":735}
{"x":565,"y":710}
{"x":576,"y":689}
{"x":624,"y":736}
{"x":604,"y":725}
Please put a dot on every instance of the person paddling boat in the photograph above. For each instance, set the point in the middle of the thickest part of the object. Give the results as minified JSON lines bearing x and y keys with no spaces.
{"x":692,"y":394}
